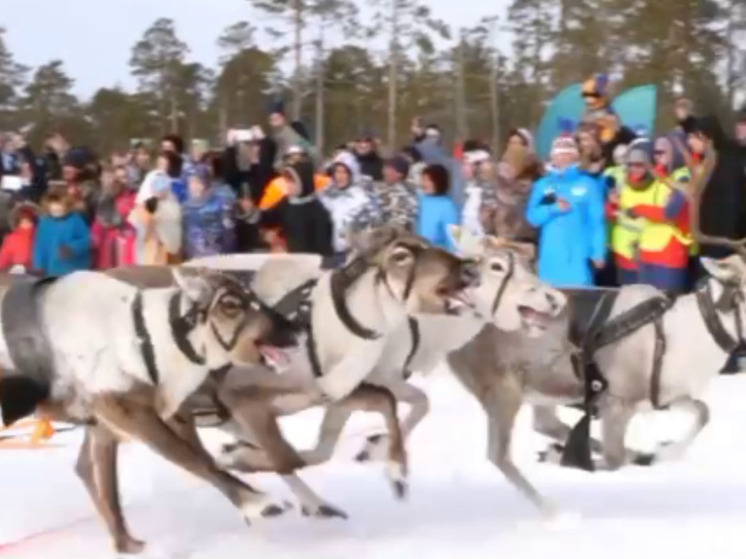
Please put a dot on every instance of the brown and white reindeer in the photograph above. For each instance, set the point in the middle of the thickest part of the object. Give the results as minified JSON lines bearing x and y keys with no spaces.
{"x":90,"y":349}
{"x":509,"y":296}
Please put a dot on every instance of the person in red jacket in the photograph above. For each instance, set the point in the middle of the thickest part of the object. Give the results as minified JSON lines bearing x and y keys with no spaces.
{"x":18,"y":247}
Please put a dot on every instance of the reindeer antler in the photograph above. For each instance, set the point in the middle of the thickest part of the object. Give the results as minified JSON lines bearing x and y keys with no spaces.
{"x":699,"y":179}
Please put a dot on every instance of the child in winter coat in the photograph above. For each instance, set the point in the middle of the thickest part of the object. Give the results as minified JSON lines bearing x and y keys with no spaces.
{"x":16,"y":253}
{"x":62,"y":244}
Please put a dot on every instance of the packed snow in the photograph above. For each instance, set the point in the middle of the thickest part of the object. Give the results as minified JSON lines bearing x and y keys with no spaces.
{"x":458,"y":505}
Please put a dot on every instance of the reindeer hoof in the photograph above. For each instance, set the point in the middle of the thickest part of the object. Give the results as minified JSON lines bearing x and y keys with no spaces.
{"x":325,"y":511}
{"x":644,"y":459}
{"x":273,"y":510}
{"x":400,"y":489}
{"x":375,"y":449}
{"x":130,"y":546}
{"x":264,"y":509}
{"x":552,"y":454}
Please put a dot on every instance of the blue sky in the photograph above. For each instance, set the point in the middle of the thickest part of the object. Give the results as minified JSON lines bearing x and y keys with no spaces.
{"x":94,"y":37}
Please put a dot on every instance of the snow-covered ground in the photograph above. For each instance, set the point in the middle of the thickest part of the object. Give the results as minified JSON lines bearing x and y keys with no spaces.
{"x":459,"y":505}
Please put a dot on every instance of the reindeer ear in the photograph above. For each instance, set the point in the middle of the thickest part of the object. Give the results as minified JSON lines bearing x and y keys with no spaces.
{"x":722,"y":270}
{"x":194,"y":283}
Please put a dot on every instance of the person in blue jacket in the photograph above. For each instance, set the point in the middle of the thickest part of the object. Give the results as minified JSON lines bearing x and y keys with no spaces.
{"x":436,"y":209}
{"x":63,"y":241}
{"x":568,"y":209}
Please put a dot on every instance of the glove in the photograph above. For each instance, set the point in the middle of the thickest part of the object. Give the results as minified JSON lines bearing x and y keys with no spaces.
{"x":548,"y":199}
{"x":64,"y":252}
{"x":151,"y":204}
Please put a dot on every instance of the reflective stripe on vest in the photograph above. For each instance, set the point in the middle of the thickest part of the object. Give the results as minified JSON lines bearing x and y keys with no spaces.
{"x":625,"y":234}
{"x":656,"y":236}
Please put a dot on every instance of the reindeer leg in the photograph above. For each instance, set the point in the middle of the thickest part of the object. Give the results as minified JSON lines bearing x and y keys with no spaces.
{"x":365,"y":397}
{"x":615,"y":418}
{"x":406,"y":393}
{"x":97,"y":468}
{"x":142,"y":422}
{"x":502,"y":405}
{"x":272,"y":452}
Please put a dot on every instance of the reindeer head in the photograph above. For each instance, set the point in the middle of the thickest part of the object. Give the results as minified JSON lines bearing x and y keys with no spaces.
{"x":425,"y":278}
{"x":235,"y":325}
{"x":510,"y":294}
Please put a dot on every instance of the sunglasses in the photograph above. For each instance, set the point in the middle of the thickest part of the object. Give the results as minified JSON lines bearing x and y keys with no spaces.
{"x":659,"y":152}
{"x":592,"y":95}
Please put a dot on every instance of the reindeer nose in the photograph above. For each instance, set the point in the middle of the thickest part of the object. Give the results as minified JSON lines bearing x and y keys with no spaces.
{"x":554,"y":304}
{"x":469,"y":273}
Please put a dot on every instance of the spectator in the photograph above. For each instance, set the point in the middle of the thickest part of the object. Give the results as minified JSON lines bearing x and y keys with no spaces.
{"x":16,"y":253}
{"x":504,"y":212}
{"x":248,"y":164}
{"x":303,"y":220}
{"x":276,"y":191}
{"x":351,"y":207}
{"x":416,"y":164}
{"x":568,"y":209}
{"x":684,"y":112}
{"x":429,"y":144}
{"x":113,"y":237}
{"x":615,"y":174}
{"x":371,"y":164}
{"x":156,"y":216}
{"x":665,"y":239}
{"x":436,"y":209}
{"x":285,"y":136}
{"x":203,"y":218}
{"x":181,"y":166}
{"x":740,"y":133}
{"x":80,"y":174}
{"x":62,"y":243}
{"x":228,"y":200}
{"x":138,"y":165}
{"x":521,"y":136}
{"x":722,"y":209}
{"x":478,"y":192}
{"x":395,"y":197}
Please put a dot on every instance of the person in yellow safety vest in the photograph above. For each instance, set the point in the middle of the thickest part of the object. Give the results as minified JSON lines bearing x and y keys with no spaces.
{"x":626,"y":228}
{"x":616,"y":173}
{"x":663,"y":244}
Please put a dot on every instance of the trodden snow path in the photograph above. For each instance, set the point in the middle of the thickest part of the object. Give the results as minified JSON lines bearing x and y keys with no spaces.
{"x":458,"y":503}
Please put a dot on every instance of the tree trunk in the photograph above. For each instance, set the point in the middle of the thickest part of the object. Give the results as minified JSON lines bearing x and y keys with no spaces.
{"x":494,"y":91}
{"x":298,"y":47}
{"x":393,"y":73}
{"x":320,"y":91}
{"x":462,"y":126}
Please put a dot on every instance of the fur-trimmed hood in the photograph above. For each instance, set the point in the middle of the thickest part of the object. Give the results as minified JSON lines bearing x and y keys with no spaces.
{"x":21,"y":209}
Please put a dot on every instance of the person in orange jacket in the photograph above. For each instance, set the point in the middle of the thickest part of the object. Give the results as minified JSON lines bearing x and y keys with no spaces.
{"x":277,"y":190}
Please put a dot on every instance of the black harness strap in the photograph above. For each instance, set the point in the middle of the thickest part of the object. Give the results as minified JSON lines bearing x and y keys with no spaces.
{"x":504,"y":284}
{"x":658,"y":353}
{"x":414,"y":330}
{"x":340,"y":281}
{"x":182,"y":326}
{"x":146,"y":343}
{"x":313,"y":357}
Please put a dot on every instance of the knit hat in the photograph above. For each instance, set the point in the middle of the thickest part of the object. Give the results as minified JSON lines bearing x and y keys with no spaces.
{"x":276,"y":106}
{"x":564,"y":145}
{"x":399,"y":164}
{"x":640,"y":152}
